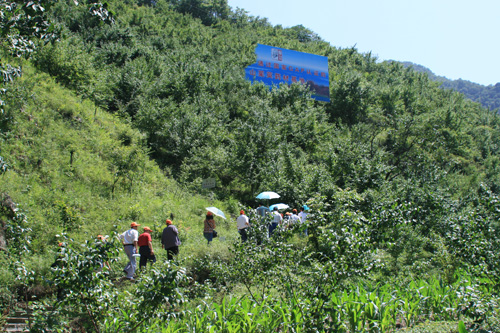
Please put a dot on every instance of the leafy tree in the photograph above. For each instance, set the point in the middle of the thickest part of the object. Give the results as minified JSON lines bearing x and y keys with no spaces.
{"x":22,"y":22}
{"x":208,"y":11}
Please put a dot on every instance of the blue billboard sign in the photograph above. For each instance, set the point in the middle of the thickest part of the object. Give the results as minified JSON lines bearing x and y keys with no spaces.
{"x":276,"y":65}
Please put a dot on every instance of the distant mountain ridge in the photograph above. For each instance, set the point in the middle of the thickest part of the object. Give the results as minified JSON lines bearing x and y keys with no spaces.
{"x":487,"y":96}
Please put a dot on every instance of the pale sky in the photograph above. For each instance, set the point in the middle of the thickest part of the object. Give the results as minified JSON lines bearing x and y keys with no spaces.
{"x":453,"y":38}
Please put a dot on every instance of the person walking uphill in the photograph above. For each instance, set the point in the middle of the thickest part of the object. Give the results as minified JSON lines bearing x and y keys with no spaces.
{"x":129,"y":240}
{"x":242,"y":224}
{"x":277,"y":219}
{"x":209,"y":226}
{"x":303,"y":216}
{"x":170,"y":240}
{"x":146,"y":248}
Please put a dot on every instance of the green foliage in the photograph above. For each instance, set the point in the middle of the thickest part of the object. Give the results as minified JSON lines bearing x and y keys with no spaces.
{"x":81,"y":284}
{"x":181,"y":83}
{"x":21,"y":22}
{"x":401,"y":177}
{"x":487,"y":96}
{"x":358,"y":308}
{"x":340,"y":235}
{"x":208,"y":11}
{"x":69,"y":216}
{"x":85,"y":291}
{"x":21,"y":25}
{"x":17,"y":233}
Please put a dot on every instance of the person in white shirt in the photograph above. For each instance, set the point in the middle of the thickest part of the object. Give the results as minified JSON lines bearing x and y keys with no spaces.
{"x":277,"y":218}
{"x":303,"y":217}
{"x":242,"y":223}
{"x":129,"y":240}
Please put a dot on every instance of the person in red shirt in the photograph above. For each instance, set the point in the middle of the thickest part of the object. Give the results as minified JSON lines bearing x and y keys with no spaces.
{"x":146,"y":248}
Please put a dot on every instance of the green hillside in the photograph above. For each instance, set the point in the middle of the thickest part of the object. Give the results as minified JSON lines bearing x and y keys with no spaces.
{"x":74,"y":168}
{"x":487,"y":96}
{"x":180,"y":82}
{"x":124,"y":108}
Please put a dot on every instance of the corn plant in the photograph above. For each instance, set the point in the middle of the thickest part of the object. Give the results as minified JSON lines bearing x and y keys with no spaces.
{"x":379,"y":307}
{"x":234,"y":315}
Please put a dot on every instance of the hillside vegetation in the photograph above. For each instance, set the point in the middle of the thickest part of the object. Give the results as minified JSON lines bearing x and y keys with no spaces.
{"x":487,"y":96}
{"x":123,"y":116}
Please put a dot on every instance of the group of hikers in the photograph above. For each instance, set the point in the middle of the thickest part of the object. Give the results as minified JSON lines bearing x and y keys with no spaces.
{"x":141,"y":246}
{"x":276,"y":218}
